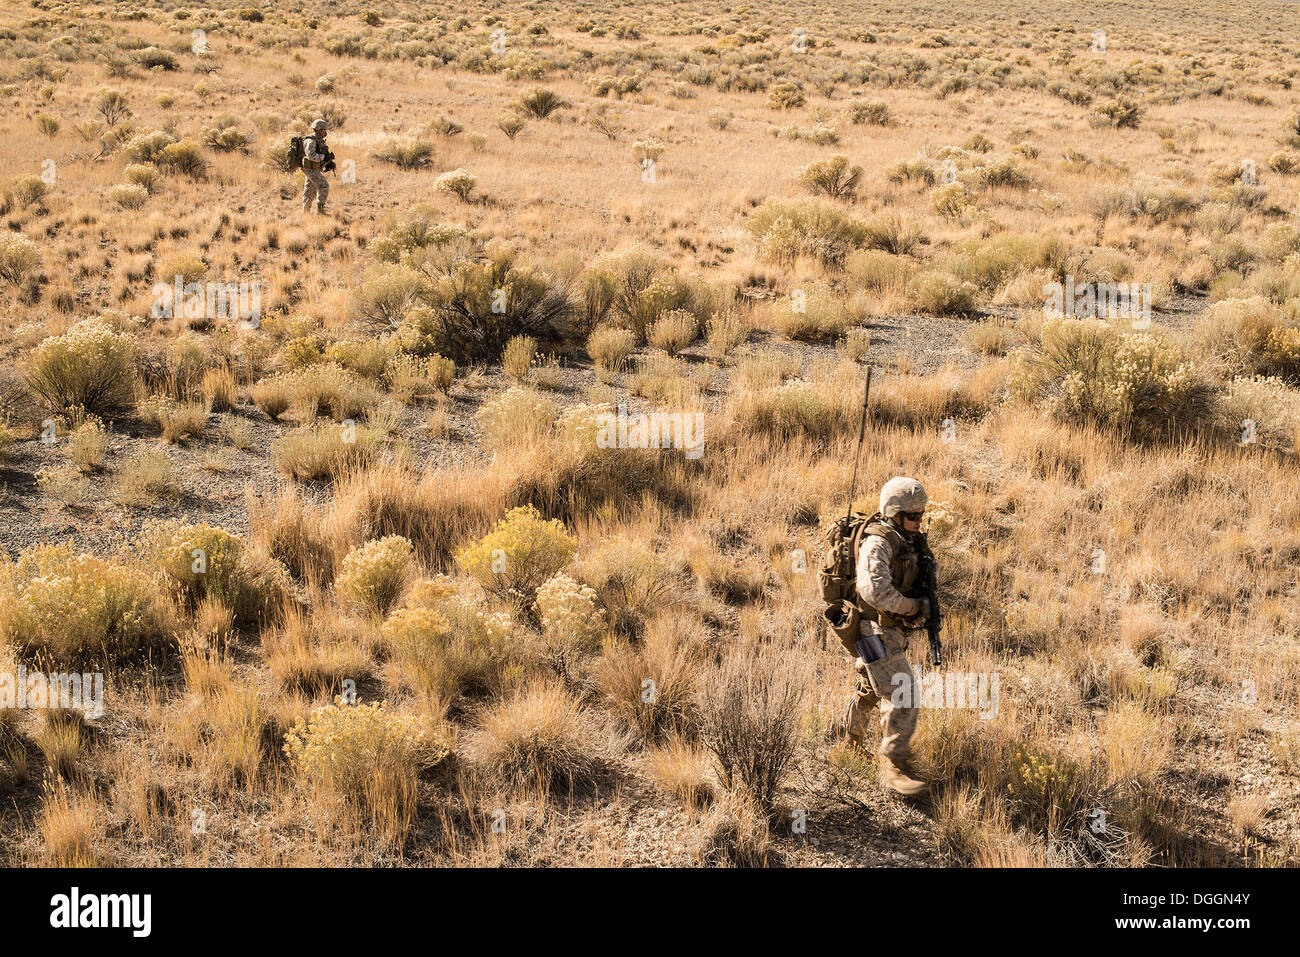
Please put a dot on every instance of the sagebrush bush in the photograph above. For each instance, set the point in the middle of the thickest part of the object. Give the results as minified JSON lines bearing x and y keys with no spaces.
{"x":445,"y":644}
{"x":370,"y":755}
{"x":70,"y":609}
{"x":938,"y":293}
{"x":1085,"y":370}
{"x":91,"y":367}
{"x":834,"y":177}
{"x":210,"y":563}
{"x":374,"y":575}
{"x":788,"y":229}
{"x":1250,"y":337}
{"x":18,"y":257}
{"x":458,"y":182}
{"x":519,"y":555}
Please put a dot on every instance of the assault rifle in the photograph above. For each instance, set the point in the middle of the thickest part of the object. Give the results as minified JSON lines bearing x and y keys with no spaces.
{"x":930,"y":592}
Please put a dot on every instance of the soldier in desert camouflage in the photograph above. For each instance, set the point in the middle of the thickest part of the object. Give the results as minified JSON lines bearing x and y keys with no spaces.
{"x":888,"y":567}
{"x":317,"y":160}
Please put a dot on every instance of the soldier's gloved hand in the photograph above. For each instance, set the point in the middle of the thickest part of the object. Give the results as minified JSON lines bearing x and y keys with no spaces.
{"x":922,"y":615}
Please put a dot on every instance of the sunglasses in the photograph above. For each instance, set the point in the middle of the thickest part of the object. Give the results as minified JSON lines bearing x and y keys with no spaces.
{"x":912,"y":516}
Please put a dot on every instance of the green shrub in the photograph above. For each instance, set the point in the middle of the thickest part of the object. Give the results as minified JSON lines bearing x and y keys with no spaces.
{"x":91,"y":367}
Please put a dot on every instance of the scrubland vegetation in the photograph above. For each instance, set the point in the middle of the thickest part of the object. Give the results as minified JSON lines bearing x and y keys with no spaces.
{"x":365,"y":582}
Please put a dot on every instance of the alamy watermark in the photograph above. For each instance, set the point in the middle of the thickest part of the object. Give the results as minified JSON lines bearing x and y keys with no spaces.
{"x":213,"y":300}
{"x":976,"y":690}
{"x":651,"y":430}
{"x":1098,"y":300}
{"x":37,"y":690}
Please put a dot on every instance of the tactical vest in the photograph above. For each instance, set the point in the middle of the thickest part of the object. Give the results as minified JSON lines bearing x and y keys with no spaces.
{"x":312,"y":164}
{"x":904,"y":567}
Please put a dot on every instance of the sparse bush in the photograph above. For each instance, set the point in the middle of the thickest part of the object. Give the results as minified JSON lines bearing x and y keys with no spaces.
{"x":91,"y":367}
{"x":749,"y":714}
{"x":444,"y":644}
{"x":572,"y":621}
{"x":128,"y":196}
{"x":788,"y":229}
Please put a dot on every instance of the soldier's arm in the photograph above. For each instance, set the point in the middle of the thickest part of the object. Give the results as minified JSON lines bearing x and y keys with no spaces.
{"x":875,"y":584}
{"x":310,"y":149}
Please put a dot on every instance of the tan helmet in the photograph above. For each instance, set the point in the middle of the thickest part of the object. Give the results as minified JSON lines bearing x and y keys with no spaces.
{"x":902,"y":494}
{"x":320,"y":126}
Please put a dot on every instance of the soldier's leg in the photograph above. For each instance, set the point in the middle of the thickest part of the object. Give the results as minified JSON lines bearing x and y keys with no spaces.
{"x":322,"y":192}
{"x":892,"y":679}
{"x":308,"y":191}
{"x":857,"y":718}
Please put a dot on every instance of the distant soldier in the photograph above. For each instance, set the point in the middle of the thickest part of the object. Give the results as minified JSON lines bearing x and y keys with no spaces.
{"x":317,"y":160}
{"x":888,"y":572}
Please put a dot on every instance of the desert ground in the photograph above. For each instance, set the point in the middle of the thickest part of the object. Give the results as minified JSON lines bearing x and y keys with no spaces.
{"x":326,"y":501}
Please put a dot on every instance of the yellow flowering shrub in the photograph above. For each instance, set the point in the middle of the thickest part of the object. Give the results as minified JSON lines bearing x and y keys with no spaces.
{"x":1049,"y":790}
{"x":342,"y":744}
{"x":210,"y":562}
{"x":572,"y":621}
{"x":522,"y":552}
{"x":1087,"y":370}
{"x":375,"y":574}
{"x":443,"y":643}
{"x":91,"y":367}
{"x":369,"y":755}
{"x":68,"y":609}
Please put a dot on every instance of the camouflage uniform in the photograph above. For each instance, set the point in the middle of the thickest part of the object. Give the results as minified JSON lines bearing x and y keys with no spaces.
{"x":315,"y":186}
{"x":887,"y":568}
{"x":882,"y":590}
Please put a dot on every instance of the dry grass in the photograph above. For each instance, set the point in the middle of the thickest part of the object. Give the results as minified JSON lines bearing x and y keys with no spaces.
{"x":708,"y":224}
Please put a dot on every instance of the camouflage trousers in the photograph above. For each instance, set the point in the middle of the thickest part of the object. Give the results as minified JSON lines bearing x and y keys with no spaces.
{"x":316,"y":187}
{"x":873,"y":689}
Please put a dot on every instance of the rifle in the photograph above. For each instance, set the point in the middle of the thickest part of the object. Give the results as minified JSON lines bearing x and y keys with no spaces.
{"x":930,"y":591}
{"x":328,"y":166}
